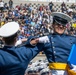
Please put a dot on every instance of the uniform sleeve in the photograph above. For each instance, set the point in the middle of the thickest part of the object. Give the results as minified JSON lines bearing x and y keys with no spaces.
{"x":48,"y":50}
{"x":27,"y":43}
{"x":33,"y":51}
{"x":41,"y":46}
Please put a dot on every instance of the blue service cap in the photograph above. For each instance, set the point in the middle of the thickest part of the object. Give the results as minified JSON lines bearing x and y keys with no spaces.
{"x":44,"y":71}
{"x":31,"y":70}
{"x":61,"y":18}
{"x":9,"y":29}
{"x":40,"y":68}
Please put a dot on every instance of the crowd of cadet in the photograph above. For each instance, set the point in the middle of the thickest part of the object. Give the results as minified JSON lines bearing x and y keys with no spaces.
{"x":36,"y":21}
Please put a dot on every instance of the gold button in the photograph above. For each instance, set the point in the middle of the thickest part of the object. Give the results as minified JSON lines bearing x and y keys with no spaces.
{"x":54,"y":51}
{"x":52,"y":42}
{"x":55,"y":57}
{"x":51,"y":37}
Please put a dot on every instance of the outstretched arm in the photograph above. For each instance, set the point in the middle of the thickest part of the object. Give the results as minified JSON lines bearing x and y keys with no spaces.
{"x":34,"y":41}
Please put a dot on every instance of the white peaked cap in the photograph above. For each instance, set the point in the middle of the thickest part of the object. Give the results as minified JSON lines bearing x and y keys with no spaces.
{"x":9,"y":29}
{"x":62,"y":15}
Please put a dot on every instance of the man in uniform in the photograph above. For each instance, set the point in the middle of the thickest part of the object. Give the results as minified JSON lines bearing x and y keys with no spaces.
{"x":60,"y":44}
{"x":15,"y":59}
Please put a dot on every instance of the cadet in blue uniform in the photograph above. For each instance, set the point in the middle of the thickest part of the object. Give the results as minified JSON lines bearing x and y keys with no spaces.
{"x":60,"y":44}
{"x":14,"y":59}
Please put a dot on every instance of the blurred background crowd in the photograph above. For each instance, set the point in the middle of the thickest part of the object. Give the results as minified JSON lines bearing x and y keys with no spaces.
{"x":36,"y":20}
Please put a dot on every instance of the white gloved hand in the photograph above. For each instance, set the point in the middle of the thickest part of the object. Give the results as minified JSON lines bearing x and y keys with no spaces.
{"x":44,"y":39}
{"x":74,"y":67}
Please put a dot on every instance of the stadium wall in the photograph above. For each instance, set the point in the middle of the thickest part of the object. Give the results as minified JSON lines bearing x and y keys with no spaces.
{"x":17,"y":2}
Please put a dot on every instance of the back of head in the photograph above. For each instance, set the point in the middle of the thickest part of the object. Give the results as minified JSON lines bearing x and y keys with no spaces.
{"x":9,"y":31}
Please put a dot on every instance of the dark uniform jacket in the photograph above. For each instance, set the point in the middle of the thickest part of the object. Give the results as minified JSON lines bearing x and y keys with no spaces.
{"x":14,"y":60}
{"x":60,"y":47}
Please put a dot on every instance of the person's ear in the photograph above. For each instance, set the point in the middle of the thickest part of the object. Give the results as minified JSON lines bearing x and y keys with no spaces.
{"x":65,"y":27}
{"x":3,"y":40}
